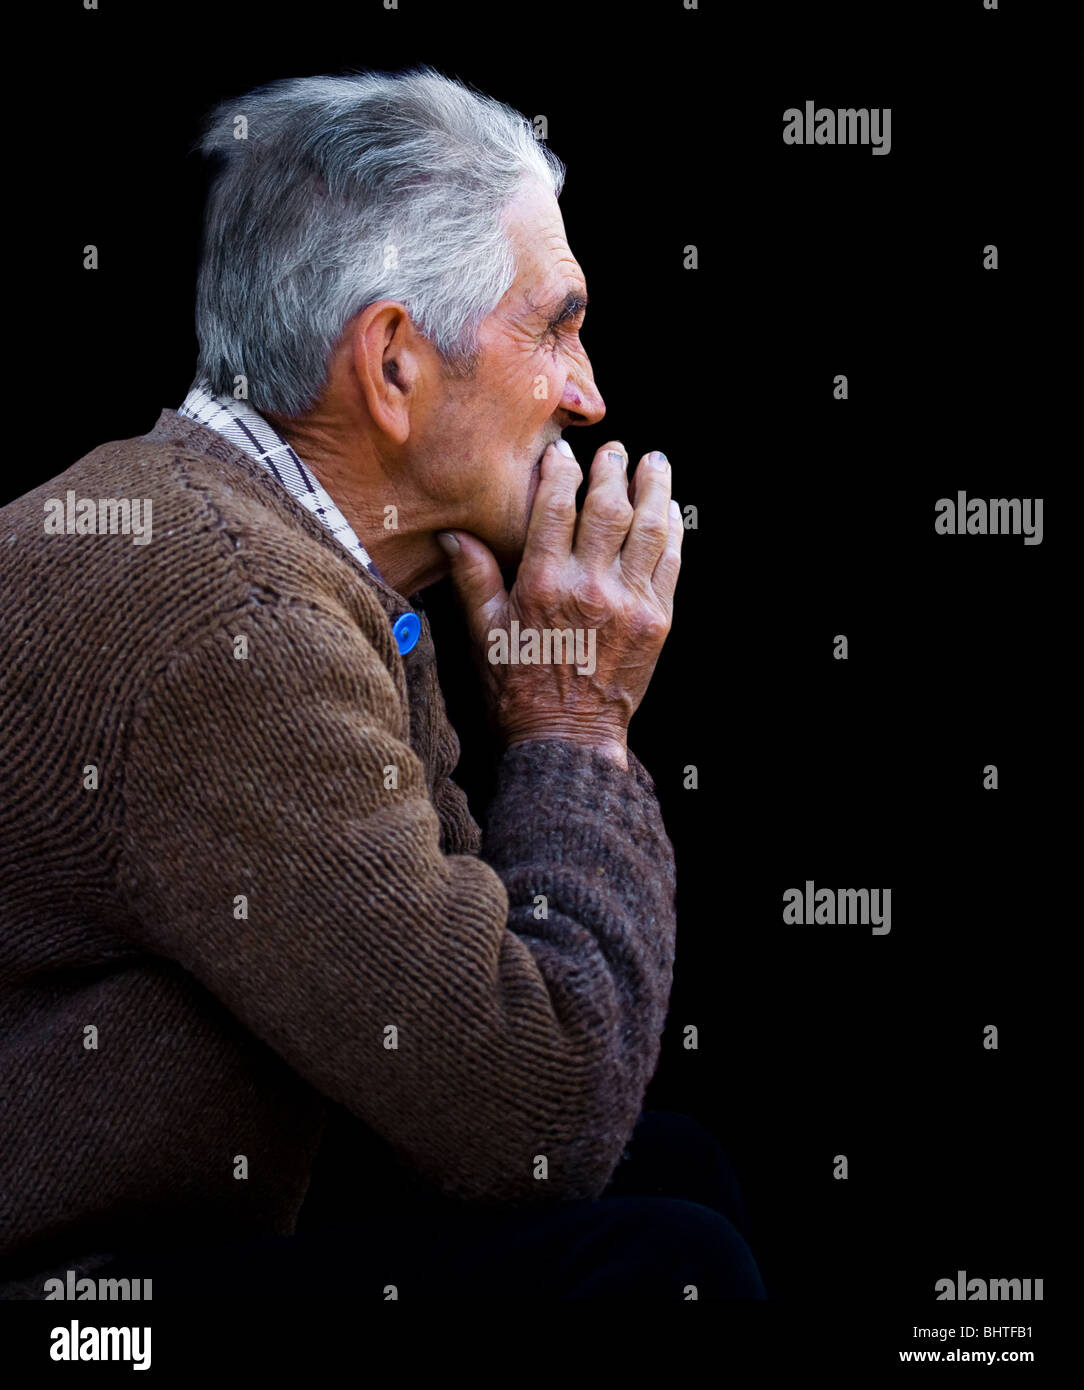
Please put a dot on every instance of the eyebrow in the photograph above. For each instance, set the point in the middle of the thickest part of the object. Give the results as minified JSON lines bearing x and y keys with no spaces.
{"x":567,"y":307}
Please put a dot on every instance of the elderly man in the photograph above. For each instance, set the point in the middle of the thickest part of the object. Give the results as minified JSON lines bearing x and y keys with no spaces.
{"x":251,"y":932}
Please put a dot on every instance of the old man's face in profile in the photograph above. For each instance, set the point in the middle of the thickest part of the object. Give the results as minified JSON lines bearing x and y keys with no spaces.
{"x":467,"y":446}
{"x":533,"y":378}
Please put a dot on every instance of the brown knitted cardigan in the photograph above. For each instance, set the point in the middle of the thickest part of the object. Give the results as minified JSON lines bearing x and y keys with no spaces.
{"x":168,"y":1062}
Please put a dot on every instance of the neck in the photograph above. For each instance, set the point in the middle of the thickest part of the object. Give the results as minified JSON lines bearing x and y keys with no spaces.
{"x":392,"y":526}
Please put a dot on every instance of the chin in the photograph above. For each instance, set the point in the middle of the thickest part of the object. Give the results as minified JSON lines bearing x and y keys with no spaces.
{"x":507,"y":546}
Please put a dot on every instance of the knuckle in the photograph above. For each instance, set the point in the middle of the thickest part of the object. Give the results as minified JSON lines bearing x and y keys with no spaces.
{"x":655,"y":530}
{"x":650,"y":625}
{"x":591,"y":595}
{"x":562,"y":504}
{"x":545,"y":586}
{"x":611,"y":509}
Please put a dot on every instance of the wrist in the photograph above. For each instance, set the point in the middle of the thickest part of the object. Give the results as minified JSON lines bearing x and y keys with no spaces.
{"x":611,"y":746}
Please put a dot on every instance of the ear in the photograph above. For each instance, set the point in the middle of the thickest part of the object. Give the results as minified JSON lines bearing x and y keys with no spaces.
{"x":387,"y":365}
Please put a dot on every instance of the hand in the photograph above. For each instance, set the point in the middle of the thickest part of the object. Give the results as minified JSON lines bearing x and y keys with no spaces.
{"x":608,"y":575}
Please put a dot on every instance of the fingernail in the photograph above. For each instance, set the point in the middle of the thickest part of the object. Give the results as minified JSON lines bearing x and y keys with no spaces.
{"x":564,"y":446}
{"x":447,"y":543}
{"x":659,"y":458}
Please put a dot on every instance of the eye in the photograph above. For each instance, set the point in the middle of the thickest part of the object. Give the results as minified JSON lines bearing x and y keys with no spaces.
{"x":563,"y":324}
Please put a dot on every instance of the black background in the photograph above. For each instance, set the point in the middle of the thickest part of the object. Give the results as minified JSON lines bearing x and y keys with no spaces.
{"x":815,"y":518}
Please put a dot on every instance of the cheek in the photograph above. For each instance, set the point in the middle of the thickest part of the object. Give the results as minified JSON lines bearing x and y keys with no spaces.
{"x":525,"y":384}
{"x":529,"y":387}
{"x":548,"y":384}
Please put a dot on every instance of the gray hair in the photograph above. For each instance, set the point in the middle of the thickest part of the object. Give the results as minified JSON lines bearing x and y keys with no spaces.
{"x":334,"y":192}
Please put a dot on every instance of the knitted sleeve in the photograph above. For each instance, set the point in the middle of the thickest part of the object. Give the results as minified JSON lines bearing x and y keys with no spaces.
{"x":495,"y":1022}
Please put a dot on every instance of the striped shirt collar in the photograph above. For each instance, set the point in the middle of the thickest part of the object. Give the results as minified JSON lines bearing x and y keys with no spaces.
{"x":238,"y":422}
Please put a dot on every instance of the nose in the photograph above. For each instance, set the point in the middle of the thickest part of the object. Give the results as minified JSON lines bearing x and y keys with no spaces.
{"x":581,"y":401}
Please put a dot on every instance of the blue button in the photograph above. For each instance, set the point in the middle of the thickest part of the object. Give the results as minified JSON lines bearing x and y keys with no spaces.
{"x":406,"y":631}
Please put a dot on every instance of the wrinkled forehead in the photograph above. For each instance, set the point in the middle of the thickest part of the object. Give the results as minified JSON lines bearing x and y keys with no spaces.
{"x":546,"y":269}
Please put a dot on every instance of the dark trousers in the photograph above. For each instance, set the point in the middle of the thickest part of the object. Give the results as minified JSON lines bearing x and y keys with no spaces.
{"x":670,"y":1222}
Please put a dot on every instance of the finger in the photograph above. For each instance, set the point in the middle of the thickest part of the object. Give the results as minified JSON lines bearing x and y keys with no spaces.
{"x":477,"y":580}
{"x":650,"y":528}
{"x":664,"y":580}
{"x":552,"y":523}
{"x":607,"y":512}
